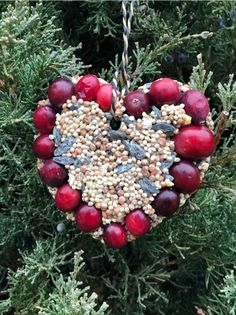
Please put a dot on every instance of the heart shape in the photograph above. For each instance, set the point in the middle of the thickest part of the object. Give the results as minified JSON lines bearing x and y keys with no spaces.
{"x":118,"y":178}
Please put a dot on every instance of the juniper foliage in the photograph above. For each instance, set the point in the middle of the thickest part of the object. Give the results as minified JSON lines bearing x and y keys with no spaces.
{"x":46,"y":291}
{"x":187,"y":264}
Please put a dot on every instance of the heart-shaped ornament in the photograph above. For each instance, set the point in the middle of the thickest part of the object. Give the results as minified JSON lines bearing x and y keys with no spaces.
{"x":117,"y":173}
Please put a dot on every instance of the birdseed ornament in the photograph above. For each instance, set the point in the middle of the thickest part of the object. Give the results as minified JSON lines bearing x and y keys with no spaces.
{"x":117,"y":179}
{"x":119,"y":162}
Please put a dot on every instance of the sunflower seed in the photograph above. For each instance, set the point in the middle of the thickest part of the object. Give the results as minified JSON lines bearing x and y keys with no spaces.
{"x":167,"y":164}
{"x":86,"y":161}
{"x":64,"y":160}
{"x":78,"y":163}
{"x":65,"y":146}
{"x":148,"y":186}
{"x":123,"y":168}
{"x":126,"y":120}
{"x":57,"y":136}
{"x":108,"y":115}
{"x":168,"y":177}
{"x":134,"y":149}
{"x":75,"y":106}
{"x":156,"y":112}
{"x":166,"y":128}
{"x":117,"y":135}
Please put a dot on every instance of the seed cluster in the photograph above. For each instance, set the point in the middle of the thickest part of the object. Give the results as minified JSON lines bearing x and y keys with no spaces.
{"x":108,"y":167}
{"x":119,"y":170}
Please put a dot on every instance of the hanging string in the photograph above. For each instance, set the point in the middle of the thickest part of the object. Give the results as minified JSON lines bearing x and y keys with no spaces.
{"x":114,"y":93}
{"x":127,"y":18}
{"x":123,"y":77}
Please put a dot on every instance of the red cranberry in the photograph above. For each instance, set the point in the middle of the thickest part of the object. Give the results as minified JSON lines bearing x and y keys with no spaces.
{"x":186,"y":176}
{"x":114,"y":235}
{"x":136,"y":103}
{"x":44,"y":119}
{"x":104,"y":97}
{"x":86,"y":88}
{"x":59,"y":91}
{"x":52,"y":174}
{"x":137,"y":222}
{"x":88,"y":218}
{"x":166,"y":202}
{"x":67,"y":199}
{"x":196,"y":105}
{"x":194,"y":142}
{"x":43,"y":147}
{"x":164,"y":91}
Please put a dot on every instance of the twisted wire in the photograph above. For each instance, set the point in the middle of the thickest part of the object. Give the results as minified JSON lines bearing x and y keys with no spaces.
{"x":114,"y":92}
{"x":124,"y":77}
{"x":127,"y":18}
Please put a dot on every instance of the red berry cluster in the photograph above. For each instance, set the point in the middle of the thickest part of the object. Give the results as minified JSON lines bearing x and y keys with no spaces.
{"x":192,"y":143}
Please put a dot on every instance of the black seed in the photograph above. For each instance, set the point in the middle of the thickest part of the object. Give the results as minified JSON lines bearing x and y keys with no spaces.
{"x":148,"y":186}
{"x":134,"y":149}
{"x":115,"y":123}
{"x":64,"y":160}
{"x":166,"y":128}
{"x":65,"y":146}
{"x":123,"y":168}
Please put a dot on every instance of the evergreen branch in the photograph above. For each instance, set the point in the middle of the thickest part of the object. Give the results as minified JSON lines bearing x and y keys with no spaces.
{"x":225,"y":157}
{"x":39,"y":268}
{"x":228,"y":292}
{"x":180,"y":40}
{"x":145,"y":65}
{"x":227,"y":95}
{"x":79,"y":301}
{"x":198,"y":79}
{"x":146,"y":59}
